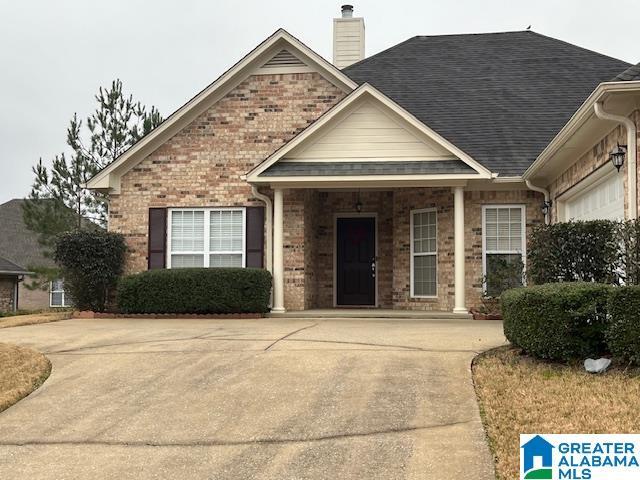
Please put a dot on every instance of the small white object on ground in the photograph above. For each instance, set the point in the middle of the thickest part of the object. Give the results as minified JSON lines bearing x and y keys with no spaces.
{"x":596,"y":366}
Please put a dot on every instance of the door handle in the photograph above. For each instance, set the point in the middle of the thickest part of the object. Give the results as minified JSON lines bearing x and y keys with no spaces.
{"x":373,"y":268}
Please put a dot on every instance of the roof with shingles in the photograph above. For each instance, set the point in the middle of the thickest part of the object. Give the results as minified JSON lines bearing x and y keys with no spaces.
{"x":500,"y":97}
{"x":18,"y":244}
{"x":294,"y":169}
{"x":630,"y":74}
{"x":8,"y":267}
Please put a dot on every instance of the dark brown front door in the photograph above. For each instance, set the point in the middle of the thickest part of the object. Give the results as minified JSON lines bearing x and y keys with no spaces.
{"x":355,"y":261}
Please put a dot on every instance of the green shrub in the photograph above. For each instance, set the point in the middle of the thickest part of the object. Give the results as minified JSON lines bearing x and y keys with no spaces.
{"x":557,"y":321}
{"x":575,"y":252}
{"x":630,"y":251}
{"x":196,"y":290}
{"x":90,"y":262}
{"x":623,"y":331}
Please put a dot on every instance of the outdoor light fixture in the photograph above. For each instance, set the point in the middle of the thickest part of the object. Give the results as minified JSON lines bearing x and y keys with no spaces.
{"x":358,"y":203}
{"x":617,"y":156}
{"x":545,"y":207}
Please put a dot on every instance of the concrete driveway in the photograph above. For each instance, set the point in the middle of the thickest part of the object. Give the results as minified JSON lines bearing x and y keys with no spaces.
{"x":240,"y":399}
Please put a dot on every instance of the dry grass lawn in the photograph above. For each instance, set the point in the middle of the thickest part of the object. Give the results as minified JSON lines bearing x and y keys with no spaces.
{"x":45,"y":317}
{"x":519,"y":394}
{"x":22,"y":370}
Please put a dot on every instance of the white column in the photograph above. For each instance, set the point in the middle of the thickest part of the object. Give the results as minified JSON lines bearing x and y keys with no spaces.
{"x":458,"y":233}
{"x":278,"y":253}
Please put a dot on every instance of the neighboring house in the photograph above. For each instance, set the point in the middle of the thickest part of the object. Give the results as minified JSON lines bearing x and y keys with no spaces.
{"x":20,"y":245}
{"x":394,"y":181}
{"x":10,"y":277}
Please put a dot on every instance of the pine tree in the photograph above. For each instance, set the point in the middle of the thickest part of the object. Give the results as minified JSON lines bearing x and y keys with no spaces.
{"x":58,"y":201}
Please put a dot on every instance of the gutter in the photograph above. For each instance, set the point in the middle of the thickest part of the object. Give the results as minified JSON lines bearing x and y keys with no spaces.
{"x":578,"y":118}
{"x":269,"y":225}
{"x":632,"y":154}
{"x":547,"y":198}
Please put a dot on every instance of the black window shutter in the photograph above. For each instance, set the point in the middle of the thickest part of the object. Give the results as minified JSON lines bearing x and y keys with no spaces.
{"x":157,"y":238}
{"x":255,"y":237}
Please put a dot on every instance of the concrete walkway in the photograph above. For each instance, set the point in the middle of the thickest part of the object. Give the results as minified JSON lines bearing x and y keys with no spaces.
{"x":242,"y":399}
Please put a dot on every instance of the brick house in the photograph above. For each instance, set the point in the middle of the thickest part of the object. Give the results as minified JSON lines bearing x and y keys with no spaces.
{"x":394,"y":181}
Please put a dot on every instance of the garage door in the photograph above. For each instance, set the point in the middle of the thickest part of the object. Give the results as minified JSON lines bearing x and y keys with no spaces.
{"x":602,"y":200}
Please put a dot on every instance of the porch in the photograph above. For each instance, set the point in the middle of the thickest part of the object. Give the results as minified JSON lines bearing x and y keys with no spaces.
{"x":369,"y":249}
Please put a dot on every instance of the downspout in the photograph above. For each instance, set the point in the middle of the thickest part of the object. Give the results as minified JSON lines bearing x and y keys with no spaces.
{"x":547,"y":197}
{"x":632,"y":152}
{"x":269,"y":224}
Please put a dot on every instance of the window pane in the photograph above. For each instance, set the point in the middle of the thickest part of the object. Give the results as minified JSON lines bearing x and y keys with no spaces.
{"x":187,"y":261}
{"x":503,"y":272}
{"x":226,"y":231}
{"x":57,"y":285}
{"x":228,"y":260}
{"x":503,"y":229}
{"x":56,"y":299}
{"x":187,"y":231}
{"x":424,"y":232}
{"x":424,"y":275}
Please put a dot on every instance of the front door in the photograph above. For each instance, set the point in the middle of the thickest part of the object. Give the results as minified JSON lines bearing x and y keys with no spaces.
{"x":355,"y":261}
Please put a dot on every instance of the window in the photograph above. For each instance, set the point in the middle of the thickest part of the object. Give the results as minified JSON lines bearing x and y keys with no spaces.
{"x":503,"y":252}
{"x":57,"y":295}
{"x":206,"y":238}
{"x":424,"y":253}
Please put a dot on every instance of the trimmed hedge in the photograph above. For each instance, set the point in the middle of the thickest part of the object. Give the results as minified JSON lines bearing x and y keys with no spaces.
{"x":196,"y":290}
{"x":561,"y":321}
{"x":623,"y":331}
{"x":575,"y":252}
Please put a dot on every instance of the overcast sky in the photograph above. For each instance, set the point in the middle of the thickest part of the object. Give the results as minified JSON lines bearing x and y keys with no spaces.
{"x":55,"y":54}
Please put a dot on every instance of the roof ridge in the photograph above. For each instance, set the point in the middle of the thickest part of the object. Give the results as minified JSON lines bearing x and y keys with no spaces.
{"x":578,"y":47}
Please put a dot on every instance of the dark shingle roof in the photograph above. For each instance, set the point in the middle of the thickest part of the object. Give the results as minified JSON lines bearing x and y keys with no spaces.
{"x":286,"y":169}
{"x":9,"y":267}
{"x":500,"y":97}
{"x":630,"y":74}
{"x":17,"y":243}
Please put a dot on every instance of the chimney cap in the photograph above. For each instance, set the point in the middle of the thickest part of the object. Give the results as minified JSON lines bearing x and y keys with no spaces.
{"x":347,"y":11}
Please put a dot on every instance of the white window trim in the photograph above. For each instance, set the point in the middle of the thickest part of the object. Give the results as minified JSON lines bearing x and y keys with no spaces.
{"x":523,"y":238}
{"x":64,"y":297}
{"x":413,"y":254}
{"x":207,"y":230}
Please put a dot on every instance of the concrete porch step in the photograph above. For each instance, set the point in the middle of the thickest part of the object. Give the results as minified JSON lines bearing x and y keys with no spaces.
{"x":371,"y":313}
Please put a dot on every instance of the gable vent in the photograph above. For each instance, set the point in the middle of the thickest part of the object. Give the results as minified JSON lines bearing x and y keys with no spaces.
{"x":284,"y":58}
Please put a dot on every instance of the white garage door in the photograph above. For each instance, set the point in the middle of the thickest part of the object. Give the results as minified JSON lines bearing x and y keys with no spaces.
{"x":602,"y":200}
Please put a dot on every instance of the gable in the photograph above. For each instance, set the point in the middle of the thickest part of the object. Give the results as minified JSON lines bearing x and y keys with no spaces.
{"x":265,"y":58}
{"x":368,"y":133}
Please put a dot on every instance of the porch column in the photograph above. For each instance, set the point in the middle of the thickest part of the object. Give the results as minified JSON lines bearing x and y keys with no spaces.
{"x":278,"y":253}
{"x":458,"y":234}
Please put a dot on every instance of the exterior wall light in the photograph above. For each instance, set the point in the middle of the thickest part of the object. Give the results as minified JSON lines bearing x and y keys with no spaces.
{"x":545,"y":207}
{"x":617,"y":156}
